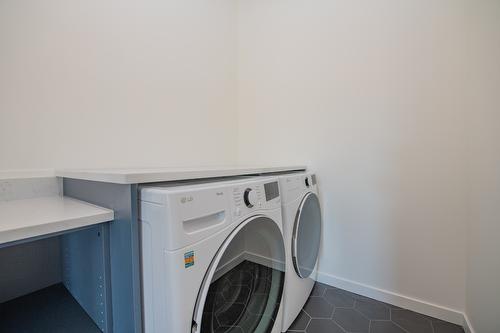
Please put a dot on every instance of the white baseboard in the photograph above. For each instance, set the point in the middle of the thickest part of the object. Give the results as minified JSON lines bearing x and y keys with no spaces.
{"x":406,"y":302}
{"x":467,"y":325}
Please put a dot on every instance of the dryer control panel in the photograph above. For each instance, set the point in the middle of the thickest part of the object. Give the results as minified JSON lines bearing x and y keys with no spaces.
{"x":294,"y":186}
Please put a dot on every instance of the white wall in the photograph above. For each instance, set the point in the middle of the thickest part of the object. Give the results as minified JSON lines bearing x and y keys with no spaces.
{"x":368,"y":94}
{"x":383,"y":98}
{"x":117,"y":83}
{"x":483,"y":246}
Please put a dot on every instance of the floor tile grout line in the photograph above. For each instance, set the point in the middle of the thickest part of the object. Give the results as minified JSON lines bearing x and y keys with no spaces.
{"x":307,"y":313}
{"x":324,"y":292}
{"x":338,"y":324}
{"x":333,"y":312}
{"x":401,"y":327}
{"x":308,"y":322}
{"x":342,"y":307}
{"x":327,"y":301}
{"x":361,"y":314}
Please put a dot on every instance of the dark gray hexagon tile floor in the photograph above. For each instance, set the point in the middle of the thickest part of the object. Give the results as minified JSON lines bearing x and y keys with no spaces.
{"x":333,"y":310}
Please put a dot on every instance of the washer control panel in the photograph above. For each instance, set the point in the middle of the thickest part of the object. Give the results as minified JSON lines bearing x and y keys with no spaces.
{"x":255,"y":195}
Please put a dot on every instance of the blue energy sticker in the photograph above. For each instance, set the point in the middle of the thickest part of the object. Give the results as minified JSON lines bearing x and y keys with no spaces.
{"x":188,"y":259}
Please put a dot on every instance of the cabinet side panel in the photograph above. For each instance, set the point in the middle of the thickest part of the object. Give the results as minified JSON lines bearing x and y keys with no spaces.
{"x":123,"y":247}
{"x":84,"y":271}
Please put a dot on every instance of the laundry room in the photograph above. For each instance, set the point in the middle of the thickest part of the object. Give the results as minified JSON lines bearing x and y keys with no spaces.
{"x":250,"y":166}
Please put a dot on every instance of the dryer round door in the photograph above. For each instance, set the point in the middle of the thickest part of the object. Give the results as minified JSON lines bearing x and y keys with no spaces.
{"x":239,"y":295}
{"x":306,"y":235}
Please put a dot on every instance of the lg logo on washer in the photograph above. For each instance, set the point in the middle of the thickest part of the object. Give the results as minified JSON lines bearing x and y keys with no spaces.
{"x":186,"y":199}
{"x":190,"y":198}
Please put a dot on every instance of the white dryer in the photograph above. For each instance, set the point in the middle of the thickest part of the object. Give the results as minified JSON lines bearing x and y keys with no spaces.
{"x":196,"y":276}
{"x":302,"y":232}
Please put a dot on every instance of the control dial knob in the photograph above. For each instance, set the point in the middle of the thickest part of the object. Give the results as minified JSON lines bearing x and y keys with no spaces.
{"x":250,"y":197}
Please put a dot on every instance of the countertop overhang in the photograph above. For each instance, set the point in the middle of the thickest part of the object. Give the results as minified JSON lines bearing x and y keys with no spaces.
{"x":150,"y":175}
{"x":27,"y":218}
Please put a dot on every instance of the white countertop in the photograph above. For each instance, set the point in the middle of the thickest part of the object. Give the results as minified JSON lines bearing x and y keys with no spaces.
{"x":26,"y":173}
{"x":26,"y":218}
{"x":137,"y":176}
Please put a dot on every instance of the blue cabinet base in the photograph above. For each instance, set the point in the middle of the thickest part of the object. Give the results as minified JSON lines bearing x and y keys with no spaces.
{"x":85,"y":272}
{"x":119,"y":255}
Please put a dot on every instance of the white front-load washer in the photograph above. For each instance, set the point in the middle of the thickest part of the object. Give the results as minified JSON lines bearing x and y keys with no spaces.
{"x":197,"y":274}
{"x":301,"y":213}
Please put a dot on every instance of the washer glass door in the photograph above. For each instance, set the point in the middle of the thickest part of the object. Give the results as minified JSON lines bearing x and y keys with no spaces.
{"x":306,"y":235}
{"x":238,"y":295}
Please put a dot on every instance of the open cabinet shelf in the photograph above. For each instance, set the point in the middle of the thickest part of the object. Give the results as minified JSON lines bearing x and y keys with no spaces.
{"x":74,"y":266}
{"x":51,"y":309}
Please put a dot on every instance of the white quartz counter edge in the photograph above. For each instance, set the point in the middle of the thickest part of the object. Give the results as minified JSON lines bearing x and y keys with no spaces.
{"x":138,"y":176}
{"x":26,"y":174}
{"x":27,"y":218}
